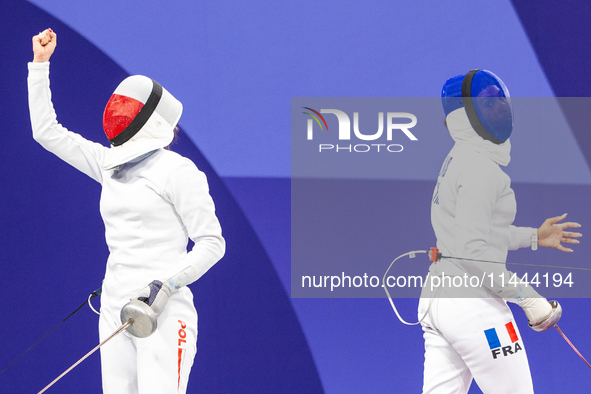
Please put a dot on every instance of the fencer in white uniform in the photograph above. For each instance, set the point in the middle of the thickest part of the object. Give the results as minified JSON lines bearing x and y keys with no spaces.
{"x":152,"y":201}
{"x":469,"y":330}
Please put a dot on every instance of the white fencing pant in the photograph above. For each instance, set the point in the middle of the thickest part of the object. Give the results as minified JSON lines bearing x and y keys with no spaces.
{"x":468,"y":338}
{"x":159,"y":364}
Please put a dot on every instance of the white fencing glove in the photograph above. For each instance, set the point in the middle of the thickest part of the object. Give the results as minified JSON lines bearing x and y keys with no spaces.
{"x":155,"y":295}
{"x":536,"y":309}
{"x":541,"y":313}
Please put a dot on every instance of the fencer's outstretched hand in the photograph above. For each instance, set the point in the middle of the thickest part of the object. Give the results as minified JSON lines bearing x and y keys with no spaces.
{"x":43,"y":45}
{"x":551,"y":233}
{"x":155,"y":295}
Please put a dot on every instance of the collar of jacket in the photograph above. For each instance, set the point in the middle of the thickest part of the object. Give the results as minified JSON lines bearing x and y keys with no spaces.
{"x":463,"y":134}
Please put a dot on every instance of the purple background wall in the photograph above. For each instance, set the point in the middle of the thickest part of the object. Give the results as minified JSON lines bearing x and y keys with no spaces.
{"x":235,"y":67}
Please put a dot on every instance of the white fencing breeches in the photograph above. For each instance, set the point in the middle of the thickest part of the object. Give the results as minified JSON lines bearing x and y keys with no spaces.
{"x":159,"y":364}
{"x":468,"y":338}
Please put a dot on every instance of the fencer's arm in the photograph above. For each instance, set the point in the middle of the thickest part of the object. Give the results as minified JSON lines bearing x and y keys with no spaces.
{"x":188,"y":191}
{"x":77,"y":151}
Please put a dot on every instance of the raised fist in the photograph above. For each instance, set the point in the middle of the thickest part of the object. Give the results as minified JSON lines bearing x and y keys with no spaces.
{"x":43,"y":45}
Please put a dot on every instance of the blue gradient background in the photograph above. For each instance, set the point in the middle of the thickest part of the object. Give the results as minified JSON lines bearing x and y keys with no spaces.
{"x":236,"y":66}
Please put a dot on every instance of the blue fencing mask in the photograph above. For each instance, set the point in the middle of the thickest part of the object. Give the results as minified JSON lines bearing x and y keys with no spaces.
{"x":486,"y":100}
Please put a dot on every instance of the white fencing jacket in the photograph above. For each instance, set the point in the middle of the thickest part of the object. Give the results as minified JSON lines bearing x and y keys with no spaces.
{"x":473,"y":208}
{"x":150,"y":207}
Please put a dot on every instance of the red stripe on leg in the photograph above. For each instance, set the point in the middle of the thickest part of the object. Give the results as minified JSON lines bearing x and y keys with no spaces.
{"x":180,"y":361}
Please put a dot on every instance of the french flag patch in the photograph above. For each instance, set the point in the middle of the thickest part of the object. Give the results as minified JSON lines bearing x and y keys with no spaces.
{"x":494,"y":342}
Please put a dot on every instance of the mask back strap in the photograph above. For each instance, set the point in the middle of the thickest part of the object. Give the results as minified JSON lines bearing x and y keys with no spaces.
{"x":471,"y":111}
{"x":142,"y":117}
